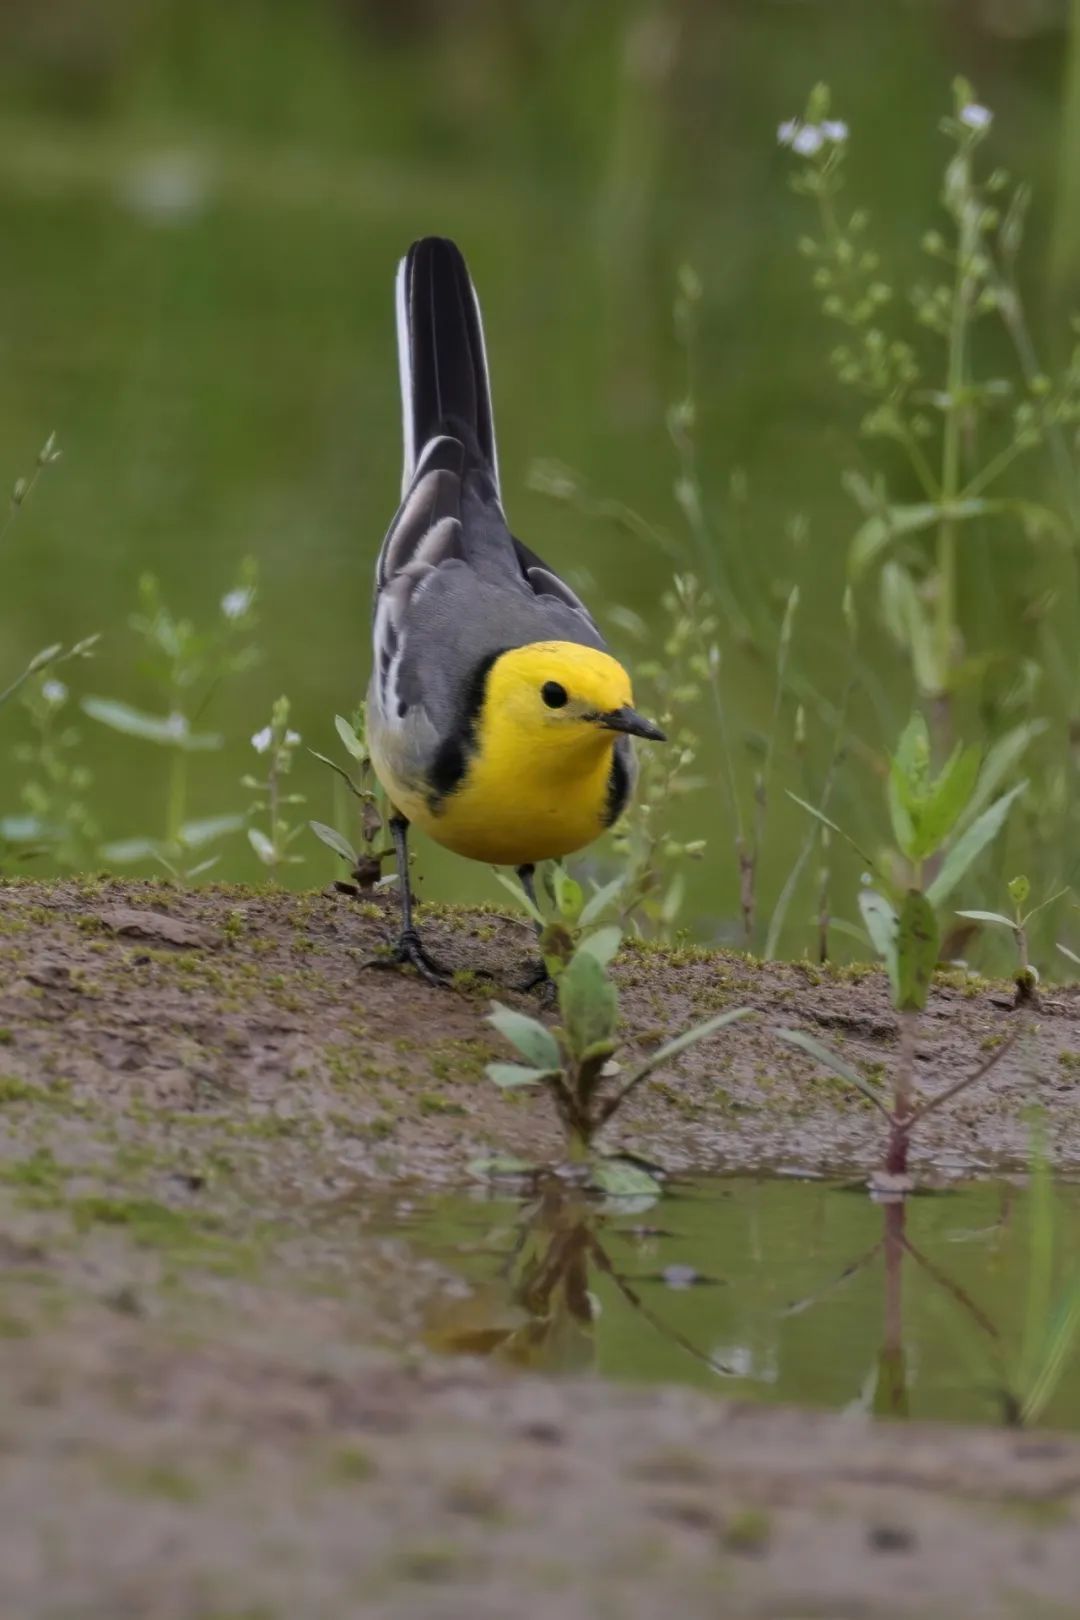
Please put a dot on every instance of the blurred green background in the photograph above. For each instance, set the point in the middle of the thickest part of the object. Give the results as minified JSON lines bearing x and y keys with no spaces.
{"x":202,"y":209}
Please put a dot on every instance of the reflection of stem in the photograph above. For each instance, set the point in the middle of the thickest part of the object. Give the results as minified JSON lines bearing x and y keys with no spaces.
{"x":632,"y":1298}
{"x":950,"y":1287}
{"x":892,"y":1397}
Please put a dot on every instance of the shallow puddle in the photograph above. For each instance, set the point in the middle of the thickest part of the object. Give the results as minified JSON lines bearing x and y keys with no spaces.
{"x":954,"y":1305}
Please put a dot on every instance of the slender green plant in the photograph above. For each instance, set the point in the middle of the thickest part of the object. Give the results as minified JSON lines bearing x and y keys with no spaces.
{"x":575,"y":1061}
{"x":1026,"y":976}
{"x":186,"y":666}
{"x":942,"y":822}
{"x":55,"y":821}
{"x":374,"y":845}
{"x":276,"y":744}
{"x":958,"y":432}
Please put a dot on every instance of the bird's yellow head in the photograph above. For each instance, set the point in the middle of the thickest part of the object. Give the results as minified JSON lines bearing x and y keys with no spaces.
{"x":562,"y":699}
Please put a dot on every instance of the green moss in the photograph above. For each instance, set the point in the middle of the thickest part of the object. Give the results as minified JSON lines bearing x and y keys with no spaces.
{"x":432,"y":1103}
{"x":1069,"y":1060}
{"x":747,"y":1532}
{"x":13,"y":1090}
{"x":353,"y":1465}
{"x":7,"y":1038}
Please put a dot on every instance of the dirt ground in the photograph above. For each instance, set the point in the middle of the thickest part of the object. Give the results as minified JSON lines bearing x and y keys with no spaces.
{"x":198,"y":1420}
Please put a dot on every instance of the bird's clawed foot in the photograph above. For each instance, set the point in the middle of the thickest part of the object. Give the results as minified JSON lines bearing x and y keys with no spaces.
{"x":410,"y":951}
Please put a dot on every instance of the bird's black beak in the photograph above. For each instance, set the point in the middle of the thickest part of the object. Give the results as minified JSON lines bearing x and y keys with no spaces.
{"x":632,"y":723}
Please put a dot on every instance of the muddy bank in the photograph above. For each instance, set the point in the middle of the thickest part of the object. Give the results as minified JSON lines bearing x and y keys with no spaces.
{"x":251,"y":1011}
{"x":201,"y":1417}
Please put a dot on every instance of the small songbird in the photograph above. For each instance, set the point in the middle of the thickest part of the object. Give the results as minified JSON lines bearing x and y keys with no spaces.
{"x":498,"y":722}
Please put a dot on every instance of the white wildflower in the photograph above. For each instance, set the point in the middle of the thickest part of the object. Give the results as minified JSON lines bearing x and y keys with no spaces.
{"x":975,"y":116}
{"x":54,"y":693}
{"x":235,"y":603}
{"x":808,"y":141}
{"x":291,"y":739}
{"x":787,"y":131}
{"x":262,"y":739}
{"x":176,"y":725}
{"x":834,"y":129}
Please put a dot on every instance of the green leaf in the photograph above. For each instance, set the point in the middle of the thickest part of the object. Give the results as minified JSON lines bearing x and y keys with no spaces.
{"x":123,"y":850}
{"x":195,"y":834}
{"x":990,"y":917}
{"x":879,"y":532}
{"x":1019,"y":890}
{"x":690,"y":1037}
{"x":262,"y":846}
{"x":334,"y":840}
{"x":352,"y":742}
{"x":171,"y":731}
{"x":917,"y":941}
{"x":998,"y":765}
{"x":532,"y":1039}
{"x":587,"y":1000}
{"x":508,"y":1075}
{"x":603,"y":943}
{"x":1065,"y":951}
{"x":946,"y":801}
{"x":970,"y":845}
{"x":569,"y":895}
{"x":832,"y":1061}
{"x":908,"y":622}
{"x":598,"y":903}
{"x":620,"y":1178}
{"x":512,"y":886}
{"x":882,"y":924}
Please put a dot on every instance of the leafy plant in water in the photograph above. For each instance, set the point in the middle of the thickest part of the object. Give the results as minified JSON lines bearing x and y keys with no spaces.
{"x":277,"y":744}
{"x":1026,"y":976}
{"x":187,"y":666}
{"x":365,"y":863}
{"x":575,"y":1062}
{"x":941,"y":823}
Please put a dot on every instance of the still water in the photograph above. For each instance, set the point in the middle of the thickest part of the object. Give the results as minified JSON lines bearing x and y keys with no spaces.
{"x":766,"y":1290}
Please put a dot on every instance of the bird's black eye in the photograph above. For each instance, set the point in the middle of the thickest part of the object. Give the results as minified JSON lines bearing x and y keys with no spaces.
{"x":553,"y":694}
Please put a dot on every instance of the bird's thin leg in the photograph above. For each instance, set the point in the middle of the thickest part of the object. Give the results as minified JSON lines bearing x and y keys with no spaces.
{"x":409,"y":946}
{"x":538,"y":977}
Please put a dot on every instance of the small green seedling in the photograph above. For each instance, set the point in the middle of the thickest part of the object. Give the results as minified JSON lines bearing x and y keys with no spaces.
{"x":366,"y":863}
{"x":277,"y":743}
{"x":187,"y":667}
{"x":563,"y":914}
{"x":1026,"y":977}
{"x":576,"y":1061}
{"x":941,"y":824}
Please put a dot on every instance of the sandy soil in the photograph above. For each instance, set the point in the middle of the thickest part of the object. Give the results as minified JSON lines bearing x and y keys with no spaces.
{"x":198,"y":1422}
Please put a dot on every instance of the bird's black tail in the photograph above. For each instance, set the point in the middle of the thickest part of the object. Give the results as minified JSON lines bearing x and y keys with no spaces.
{"x":444,"y":375}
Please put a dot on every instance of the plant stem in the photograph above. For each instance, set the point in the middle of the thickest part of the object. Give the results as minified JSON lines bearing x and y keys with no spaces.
{"x":177,"y":801}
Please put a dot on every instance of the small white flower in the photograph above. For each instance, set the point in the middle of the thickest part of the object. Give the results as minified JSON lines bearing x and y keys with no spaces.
{"x":177,"y":725}
{"x":262,"y":740}
{"x":235,"y":603}
{"x":834,"y":129}
{"x":976,"y":116}
{"x":808,"y":140}
{"x":54,"y":693}
{"x":291,"y":739}
{"x":787,"y":131}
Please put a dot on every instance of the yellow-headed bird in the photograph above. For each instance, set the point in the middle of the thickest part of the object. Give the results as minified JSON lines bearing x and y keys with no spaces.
{"x":497,"y":720}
